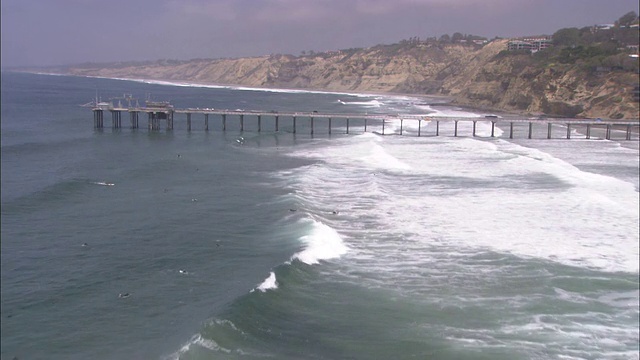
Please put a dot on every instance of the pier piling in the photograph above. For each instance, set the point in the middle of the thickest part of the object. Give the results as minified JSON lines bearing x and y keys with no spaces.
{"x":161,"y":111}
{"x":115,"y":119}
{"x":98,"y":119}
{"x":133,"y":117}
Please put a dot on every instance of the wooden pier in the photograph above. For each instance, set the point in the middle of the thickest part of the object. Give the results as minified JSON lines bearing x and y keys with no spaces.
{"x":164,"y":112}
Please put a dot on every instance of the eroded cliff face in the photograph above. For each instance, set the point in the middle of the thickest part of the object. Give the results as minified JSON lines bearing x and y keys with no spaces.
{"x":515,"y":83}
{"x":470,"y":75}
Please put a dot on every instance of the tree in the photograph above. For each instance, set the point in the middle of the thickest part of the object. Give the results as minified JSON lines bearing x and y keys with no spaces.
{"x":566,"y":37}
{"x":445,"y":38}
{"x":627,"y":19}
{"x":457,"y":37}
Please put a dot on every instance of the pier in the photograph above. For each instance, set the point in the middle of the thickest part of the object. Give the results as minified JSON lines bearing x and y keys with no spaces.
{"x":159,"y":113}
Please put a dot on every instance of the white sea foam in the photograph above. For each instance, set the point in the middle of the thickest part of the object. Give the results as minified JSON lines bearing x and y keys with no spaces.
{"x":483,"y":129}
{"x":232,"y":87}
{"x":562,"y":214}
{"x":409,"y":124}
{"x":102,"y":183}
{"x":380,"y":158}
{"x":365,"y":152}
{"x":573,"y":335}
{"x":593,"y":223}
{"x":371,"y":103}
{"x":197,"y":340}
{"x":448,"y":112}
{"x":630,"y":299}
{"x":321,"y":243}
{"x":269,"y":283}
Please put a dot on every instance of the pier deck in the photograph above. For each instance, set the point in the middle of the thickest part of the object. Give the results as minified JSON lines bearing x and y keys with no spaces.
{"x":167,"y":113}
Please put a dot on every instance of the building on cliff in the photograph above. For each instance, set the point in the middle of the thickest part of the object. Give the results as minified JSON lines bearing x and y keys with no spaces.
{"x":531,"y":44}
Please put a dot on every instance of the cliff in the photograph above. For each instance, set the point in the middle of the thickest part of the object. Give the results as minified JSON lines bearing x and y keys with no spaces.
{"x":472,"y":75}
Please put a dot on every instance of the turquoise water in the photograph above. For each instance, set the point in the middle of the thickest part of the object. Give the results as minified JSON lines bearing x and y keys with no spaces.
{"x":292,"y":246}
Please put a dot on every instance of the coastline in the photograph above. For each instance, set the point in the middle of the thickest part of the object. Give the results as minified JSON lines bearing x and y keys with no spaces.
{"x":441,"y":100}
{"x":204,"y":84}
{"x":447,"y":101}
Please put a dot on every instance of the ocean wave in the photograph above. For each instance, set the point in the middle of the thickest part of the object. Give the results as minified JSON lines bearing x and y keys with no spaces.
{"x":363,"y":151}
{"x":449,"y":112}
{"x":230,"y":87}
{"x":196,"y":340}
{"x":321,"y":243}
{"x":371,"y":103}
{"x":407,"y":177}
{"x":37,"y":147}
{"x":382,"y":159}
{"x":47,"y":195}
{"x":269,"y":283}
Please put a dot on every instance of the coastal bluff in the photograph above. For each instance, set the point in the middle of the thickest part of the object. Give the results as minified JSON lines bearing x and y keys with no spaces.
{"x":480,"y":76}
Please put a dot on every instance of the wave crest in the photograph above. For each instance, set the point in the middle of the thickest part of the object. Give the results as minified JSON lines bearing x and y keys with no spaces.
{"x":322,"y":243}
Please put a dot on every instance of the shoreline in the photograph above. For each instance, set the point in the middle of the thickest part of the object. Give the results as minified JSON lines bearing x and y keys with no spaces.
{"x":446,"y":100}
{"x":206,"y":84}
{"x":441,"y":100}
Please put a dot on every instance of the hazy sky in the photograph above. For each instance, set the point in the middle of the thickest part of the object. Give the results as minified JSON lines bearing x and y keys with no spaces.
{"x":56,"y":32}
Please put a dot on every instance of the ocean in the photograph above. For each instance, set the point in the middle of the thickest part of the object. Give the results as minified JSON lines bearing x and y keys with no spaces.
{"x":131,"y":244}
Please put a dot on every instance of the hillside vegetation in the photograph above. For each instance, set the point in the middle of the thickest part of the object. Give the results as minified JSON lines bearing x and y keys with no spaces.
{"x":587,"y":73}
